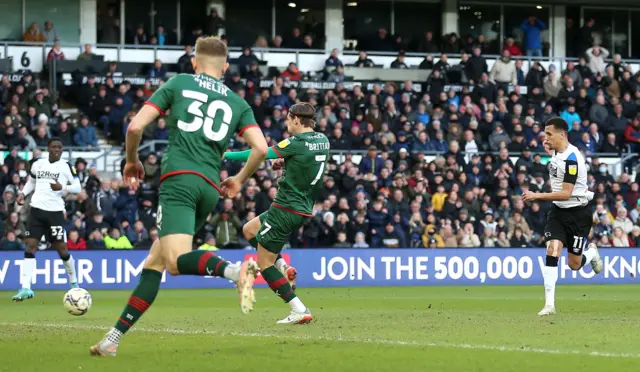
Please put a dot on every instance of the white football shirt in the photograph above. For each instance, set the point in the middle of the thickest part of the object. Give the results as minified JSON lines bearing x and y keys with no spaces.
{"x":46,"y":173}
{"x":570,"y":166}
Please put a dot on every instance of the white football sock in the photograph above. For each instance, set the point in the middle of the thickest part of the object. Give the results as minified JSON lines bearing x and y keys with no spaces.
{"x":70,"y":267}
{"x":28,"y":267}
{"x":589,"y":254}
{"x":232,"y":272}
{"x":550,"y":275}
{"x":297,"y":305}
{"x":280,"y":264}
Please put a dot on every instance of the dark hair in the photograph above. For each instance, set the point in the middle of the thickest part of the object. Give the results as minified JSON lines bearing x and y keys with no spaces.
{"x":305,"y":112}
{"x":558,"y":123}
{"x":54,"y":139}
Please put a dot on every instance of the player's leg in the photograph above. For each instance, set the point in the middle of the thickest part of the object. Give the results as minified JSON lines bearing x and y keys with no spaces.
{"x":28,"y":268}
{"x":555,"y":234}
{"x":274,"y":231}
{"x":139,"y":302}
{"x":579,"y":227}
{"x":58,"y":239}
{"x":68,"y":262}
{"x":185,"y":203}
{"x":36,"y":228}
{"x":550,"y":276}
{"x":250,"y":230}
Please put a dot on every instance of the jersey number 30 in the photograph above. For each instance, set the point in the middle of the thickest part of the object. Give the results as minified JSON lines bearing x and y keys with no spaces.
{"x":200,"y":119}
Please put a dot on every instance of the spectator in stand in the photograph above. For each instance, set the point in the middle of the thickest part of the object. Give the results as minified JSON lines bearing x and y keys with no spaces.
{"x":619,"y":239}
{"x":214,"y":23}
{"x":363,"y":60}
{"x":596,"y":56}
{"x":476,"y":66}
{"x":294,"y":40}
{"x":87,"y":54}
{"x":292,"y":73}
{"x":428,"y":45}
{"x":337,"y":75}
{"x":598,"y":112}
{"x":115,"y":240}
{"x":503,"y":72}
{"x":533,"y":28}
{"x":512,"y":47}
{"x":55,"y":53}
{"x":85,"y":134}
{"x":33,"y":34}
{"x":399,"y":61}
{"x":333,"y":61}
{"x":162,"y":36}
{"x":277,"y":42}
{"x":616,"y":123}
{"x":185,"y":65}
{"x":140,"y":37}
{"x":10,"y":242}
{"x":571,"y":116}
{"x":622,"y":221}
{"x":632,"y":135}
{"x":308,"y":42}
{"x":75,"y":241}
{"x":467,"y":238}
{"x":247,"y":57}
{"x":158,"y":70}
{"x":49,"y":32}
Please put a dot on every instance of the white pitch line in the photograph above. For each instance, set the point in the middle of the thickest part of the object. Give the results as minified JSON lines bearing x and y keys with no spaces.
{"x":522,"y":349}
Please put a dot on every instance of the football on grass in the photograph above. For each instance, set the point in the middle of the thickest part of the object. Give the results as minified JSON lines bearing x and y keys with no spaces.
{"x":77,"y":301}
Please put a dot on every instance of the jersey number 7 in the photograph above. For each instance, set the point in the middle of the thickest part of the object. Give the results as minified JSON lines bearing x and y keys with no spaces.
{"x":321,"y":159}
{"x":200,"y":119}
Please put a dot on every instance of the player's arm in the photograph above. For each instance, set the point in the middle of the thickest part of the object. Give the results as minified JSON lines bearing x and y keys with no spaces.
{"x":257,"y":154}
{"x":147,"y":115}
{"x":74,"y":185}
{"x":29,"y":186}
{"x":568,"y":183}
{"x":244,"y":155}
{"x":155,"y":107}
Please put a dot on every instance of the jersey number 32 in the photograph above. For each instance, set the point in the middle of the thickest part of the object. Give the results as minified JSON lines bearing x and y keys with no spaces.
{"x":200,"y":119}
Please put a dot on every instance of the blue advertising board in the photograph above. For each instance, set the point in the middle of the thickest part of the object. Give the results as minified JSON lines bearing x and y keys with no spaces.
{"x":336,"y":268}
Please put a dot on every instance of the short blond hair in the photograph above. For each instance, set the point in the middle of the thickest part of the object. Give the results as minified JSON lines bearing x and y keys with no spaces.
{"x":211,"y":47}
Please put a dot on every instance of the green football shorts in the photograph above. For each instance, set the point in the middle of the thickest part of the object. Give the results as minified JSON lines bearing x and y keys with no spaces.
{"x":186,"y":200}
{"x":276,"y":228}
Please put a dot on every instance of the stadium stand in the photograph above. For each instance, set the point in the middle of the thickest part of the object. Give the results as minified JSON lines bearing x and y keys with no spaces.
{"x":429,"y":152}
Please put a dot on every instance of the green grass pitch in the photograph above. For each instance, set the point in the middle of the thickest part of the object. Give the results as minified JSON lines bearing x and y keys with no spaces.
{"x":452,"y":329}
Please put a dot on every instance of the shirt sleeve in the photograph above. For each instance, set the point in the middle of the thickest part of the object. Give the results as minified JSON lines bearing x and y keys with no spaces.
{"x":570,"y":171}
{"x":287,"y":148}
{"x":32,"y":168}
{"x":162,"y":98}
{"x":247,"y":120}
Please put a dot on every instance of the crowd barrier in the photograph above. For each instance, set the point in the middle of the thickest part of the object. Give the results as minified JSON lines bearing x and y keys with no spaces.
{"x":337,"y":268}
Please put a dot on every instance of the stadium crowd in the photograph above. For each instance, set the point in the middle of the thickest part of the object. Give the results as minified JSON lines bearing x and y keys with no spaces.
{"x":425,"y":167}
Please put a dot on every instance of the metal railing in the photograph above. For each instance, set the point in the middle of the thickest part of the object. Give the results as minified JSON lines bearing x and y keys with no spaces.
{"x":260,"y":52}
{"x":152,"y":147}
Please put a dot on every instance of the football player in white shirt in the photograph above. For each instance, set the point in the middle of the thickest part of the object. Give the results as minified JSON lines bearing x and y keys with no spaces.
{"x":569,"y":221}
{"x":48,"y":179}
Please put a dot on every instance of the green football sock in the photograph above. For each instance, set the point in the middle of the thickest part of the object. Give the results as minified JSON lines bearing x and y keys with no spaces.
{"x":201,"y":263}
{"x":278,"y":283}
{"x":140,"y":300}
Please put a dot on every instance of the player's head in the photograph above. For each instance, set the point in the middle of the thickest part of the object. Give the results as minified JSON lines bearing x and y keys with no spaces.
{"x":211,"y":56}
{"x":55,"y":147}
{"x":301,"y":115}
{"x":556,"y":130}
